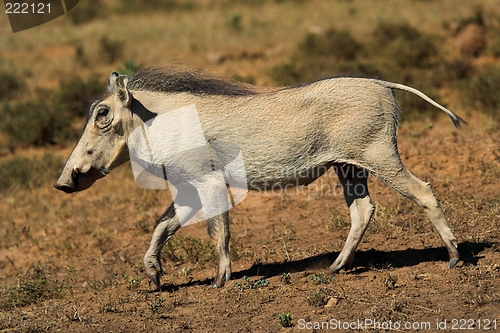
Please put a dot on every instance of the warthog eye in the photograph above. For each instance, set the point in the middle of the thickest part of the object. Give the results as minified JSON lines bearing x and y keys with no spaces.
{"x":102,"y":112}
{"x":102,"y":118}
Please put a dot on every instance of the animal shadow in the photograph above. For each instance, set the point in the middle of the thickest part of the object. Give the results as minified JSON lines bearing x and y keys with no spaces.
{"x":364,"y":261}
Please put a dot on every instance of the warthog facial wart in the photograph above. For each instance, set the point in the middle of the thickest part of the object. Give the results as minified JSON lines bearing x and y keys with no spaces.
{"x":203,"y":134}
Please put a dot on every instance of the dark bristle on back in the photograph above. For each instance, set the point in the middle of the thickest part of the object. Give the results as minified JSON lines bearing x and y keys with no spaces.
{"x":164,"y":79}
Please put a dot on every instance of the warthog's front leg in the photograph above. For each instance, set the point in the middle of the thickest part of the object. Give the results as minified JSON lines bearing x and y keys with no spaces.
{"x":213,"y":195}
{"x":165,"y":228}
{"x":179,"y":212}
{"x":355,"y":188}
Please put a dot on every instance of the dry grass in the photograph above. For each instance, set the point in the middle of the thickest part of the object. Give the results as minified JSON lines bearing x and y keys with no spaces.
{"x":48,"y":52}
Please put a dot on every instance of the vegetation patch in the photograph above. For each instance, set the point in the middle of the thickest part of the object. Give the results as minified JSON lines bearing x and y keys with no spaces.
{"x":157,"y":304}
{"x":248,"y":284}
{"x":110,"y":50}
{"x":33,"y":288}
{"x":396,"y":52}
{"x":75,"y":94}
{"x":36,"y":123}
{"x":320,"y":278}
{"x":10,"y":84}
{"x":131,"y":6}
{"x":285,"y":319}
{"x":186,"y":249}
{"x":25,"y":172}
{"x":320,"y":297}
{"x":49,"y":118}
{"x":87,"y":11}
{"x":482,"y":91}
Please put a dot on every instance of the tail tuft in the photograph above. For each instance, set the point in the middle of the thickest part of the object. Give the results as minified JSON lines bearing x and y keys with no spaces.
{"x":457,"y":121}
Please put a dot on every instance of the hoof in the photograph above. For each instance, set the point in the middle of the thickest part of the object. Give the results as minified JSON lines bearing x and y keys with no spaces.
{"x":454,"y":257}
{"x":154,"y":276}
{"x":341,"y":263}
{"x":218,"y":284}
{"x":452,"y":262}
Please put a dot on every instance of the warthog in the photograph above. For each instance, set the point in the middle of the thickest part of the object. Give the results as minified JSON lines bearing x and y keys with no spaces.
{"x":345,"y":123}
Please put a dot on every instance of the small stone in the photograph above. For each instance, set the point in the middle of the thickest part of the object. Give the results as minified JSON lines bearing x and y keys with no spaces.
{"x":331,"y":302}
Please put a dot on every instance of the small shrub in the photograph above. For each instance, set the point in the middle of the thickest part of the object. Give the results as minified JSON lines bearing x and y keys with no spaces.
{"x":36,"y":123}
{"x":482,"y":91}
{"x":403,"y":45}
{"x":286,"y":278}
{"x":477,"y":18}
{"x":493,"y":48}
{"x":387,"y":32}
{"x":234,"y":22}
{"x":320,"y":278}
{"x":390,"y":281}
{"x":110,"y":50}
{"x":129,"y":68}
{"x":322,"y":55}
{"x":28,"y":173}
{"x":10,"y":84}
{"x":75,"y":94}
{"x":454,"y":70}
{"x":33,"y":288}
{"x":247,"y":284}
{"x":110,"y":306}
{"x":418,"y":53}
{"x":157,"y":304}
{"x":285,"y":319}
{"x":81,"y":56}
{"x":287,"y":74}
{"x":86,"y":11}
{"x":319,"y":298}
{"x":134,"y":283}
{"x":337,"y":44}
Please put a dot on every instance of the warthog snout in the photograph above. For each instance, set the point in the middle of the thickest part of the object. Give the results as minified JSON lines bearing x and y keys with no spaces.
{"x":65,"y":188}
{"x":68,"y":180}
{"x":74,"y":179}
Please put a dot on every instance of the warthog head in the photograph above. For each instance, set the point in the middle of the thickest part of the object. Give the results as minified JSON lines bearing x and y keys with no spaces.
{"x":103,"y":143}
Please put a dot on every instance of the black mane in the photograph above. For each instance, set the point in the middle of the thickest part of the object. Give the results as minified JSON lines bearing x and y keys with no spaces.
{"x":164,"y":79}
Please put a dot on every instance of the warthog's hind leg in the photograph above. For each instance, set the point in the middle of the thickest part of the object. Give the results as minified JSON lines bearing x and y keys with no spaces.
{"x":405,"y":183}
{"x":354,"y":186}
{"x":218,"y":229}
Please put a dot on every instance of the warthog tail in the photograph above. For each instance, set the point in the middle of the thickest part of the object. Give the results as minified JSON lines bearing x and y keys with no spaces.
{"x":457,"y":121}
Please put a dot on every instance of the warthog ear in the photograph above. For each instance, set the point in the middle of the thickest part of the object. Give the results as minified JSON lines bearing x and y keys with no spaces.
{"x":118,"y":86}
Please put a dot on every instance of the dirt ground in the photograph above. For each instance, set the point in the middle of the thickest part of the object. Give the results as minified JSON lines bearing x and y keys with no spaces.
{"x":88,"y":249}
